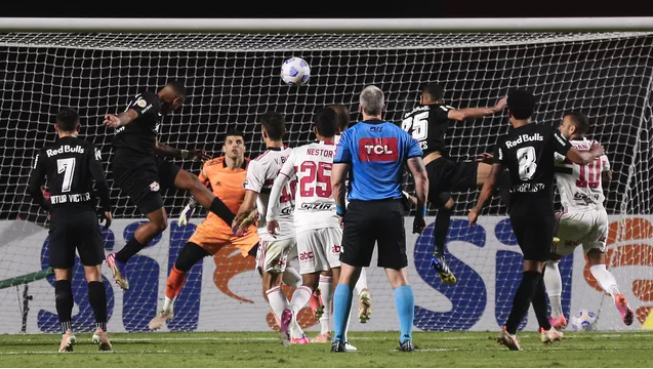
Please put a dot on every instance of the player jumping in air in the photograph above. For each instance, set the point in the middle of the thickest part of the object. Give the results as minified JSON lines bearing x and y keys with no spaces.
{"x":317,"y":226}
{"x":584,"y":220}
{"x":70,"y":166}
{"x":274,"y":251}
{"x":364,"y":296}
{"x":428,"y":123}
{"x":142,"y":175}
{"x":527,"y":150}
{"x":225,"y":175}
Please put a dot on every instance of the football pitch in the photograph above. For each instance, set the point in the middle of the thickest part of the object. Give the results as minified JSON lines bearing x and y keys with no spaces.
{"x":378,"y":349}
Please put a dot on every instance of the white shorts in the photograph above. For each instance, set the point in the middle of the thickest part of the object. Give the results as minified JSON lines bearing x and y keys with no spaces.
{"x":272,"y":256}
{"x":589,"y":228}
{"x":319,"y":249}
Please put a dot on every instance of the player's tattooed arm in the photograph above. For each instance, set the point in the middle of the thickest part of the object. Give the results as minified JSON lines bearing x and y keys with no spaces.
{"x":122,"y":119}
{"x":169,"y":151}
{"x":418,"y":171}
{"x":486,"y":193}
{"x":585,"y":157}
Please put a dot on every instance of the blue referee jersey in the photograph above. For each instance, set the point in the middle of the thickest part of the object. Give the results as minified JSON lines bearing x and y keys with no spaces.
{"x":377,"y":152}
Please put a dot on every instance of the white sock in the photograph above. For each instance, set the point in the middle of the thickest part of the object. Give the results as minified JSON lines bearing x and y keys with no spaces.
{"x":168,"y":303}
{"x":326,"y":289}
{"x":300,"y":298}
{"x":291,"y":277}
{"x":277,"y":301}
{"x":605,"y":279}
{"x":362,"y":282}
{"x":553,"y":284}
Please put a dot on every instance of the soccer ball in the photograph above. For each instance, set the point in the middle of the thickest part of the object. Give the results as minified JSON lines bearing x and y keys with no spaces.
{"x":295,"y":71}
{"x":584,"y":320}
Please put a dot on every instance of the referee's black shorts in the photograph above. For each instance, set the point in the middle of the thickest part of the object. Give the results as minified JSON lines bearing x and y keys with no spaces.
{"x":75,"y":231}
{"x":367,"y":222}
{"x":144,"y":181}
{"x":534,"y":230}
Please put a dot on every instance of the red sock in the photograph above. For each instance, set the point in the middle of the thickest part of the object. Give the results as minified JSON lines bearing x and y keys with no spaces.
{"x":175,"y":282}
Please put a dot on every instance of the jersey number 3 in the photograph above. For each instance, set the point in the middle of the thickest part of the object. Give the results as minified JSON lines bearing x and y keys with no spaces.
{"x":527,"y":165}
{"x":67,"y":167}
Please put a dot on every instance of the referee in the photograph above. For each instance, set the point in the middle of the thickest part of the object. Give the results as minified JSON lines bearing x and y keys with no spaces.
{"x":374,"y":153}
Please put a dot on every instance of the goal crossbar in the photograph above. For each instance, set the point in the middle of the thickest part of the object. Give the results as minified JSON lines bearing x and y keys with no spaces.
{"x":249,"y":25}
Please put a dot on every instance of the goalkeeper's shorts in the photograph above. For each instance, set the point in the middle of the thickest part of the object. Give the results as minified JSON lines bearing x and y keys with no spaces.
{"x":213,"y":234}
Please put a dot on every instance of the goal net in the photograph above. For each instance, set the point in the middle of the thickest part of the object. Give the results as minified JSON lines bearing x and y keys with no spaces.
{"x":234,"y":78}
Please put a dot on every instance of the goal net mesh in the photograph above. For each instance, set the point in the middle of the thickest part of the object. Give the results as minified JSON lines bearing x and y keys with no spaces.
{"x":233,"y":79}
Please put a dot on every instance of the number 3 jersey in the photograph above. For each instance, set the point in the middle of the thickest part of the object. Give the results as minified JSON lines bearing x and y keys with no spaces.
{"x":315,"y":207}
{"x":261,"y":173}
{"x":581,"y":186}
{"x":528,"y":153}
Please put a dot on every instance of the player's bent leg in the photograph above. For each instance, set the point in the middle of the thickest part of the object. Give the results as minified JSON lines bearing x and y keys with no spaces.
{"x":146,"y":232}
{"x":189,"y":182}
{"x":441,"y":229}
{"x":553,"y":284}
{"x":189,"y":256}
{"x":64,"y":303}
{"x":97,"y":298}
{"x":596,"y":260}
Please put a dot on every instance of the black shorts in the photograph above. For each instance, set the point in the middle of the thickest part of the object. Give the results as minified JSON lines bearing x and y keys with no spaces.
{"x":144,"y":181}
{"x":77,"y":231}
{"x":367,"y":222}
{"x":534,"y":232}
{"x":447,"y":176}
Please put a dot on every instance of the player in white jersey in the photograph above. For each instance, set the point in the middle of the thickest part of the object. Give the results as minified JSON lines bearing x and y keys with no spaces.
{"x":364,"y":296}
{"x":317,"y":225}
{"x":584,"y":220}
{"x":273,"y":252}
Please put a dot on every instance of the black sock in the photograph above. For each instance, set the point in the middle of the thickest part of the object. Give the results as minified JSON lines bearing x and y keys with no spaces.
{"x":97,"y":297}
{"x":63,"y":296}
{"x":540,"y":306}
{"x":442,"y":221}
{"x":522,"y":300}
{"x":220,"y":209}
{"x":132,"y":248}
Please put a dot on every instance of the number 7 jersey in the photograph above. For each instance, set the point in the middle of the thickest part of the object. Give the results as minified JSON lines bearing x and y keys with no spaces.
{"x":315,"y":207}
{"x":581,"y":186}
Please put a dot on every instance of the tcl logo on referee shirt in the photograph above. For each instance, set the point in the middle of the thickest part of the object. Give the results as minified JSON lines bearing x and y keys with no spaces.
{"x":378,"y":149}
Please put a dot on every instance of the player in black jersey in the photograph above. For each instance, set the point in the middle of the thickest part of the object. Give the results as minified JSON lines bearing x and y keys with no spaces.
{"x":142,"y":175}
{"x":527,"y":150}
{"x":70,"y":165}
{"x":428,"y":123}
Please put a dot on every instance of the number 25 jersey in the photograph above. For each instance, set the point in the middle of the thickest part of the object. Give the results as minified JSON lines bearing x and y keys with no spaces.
{"x":528,"y":153}
{"x":315,"y":207}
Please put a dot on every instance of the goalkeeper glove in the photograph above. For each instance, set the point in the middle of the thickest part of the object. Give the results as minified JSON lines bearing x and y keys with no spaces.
{"x":187,"y":212}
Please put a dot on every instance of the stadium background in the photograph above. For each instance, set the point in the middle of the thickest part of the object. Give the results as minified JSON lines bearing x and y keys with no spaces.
{"x":608,"y":80}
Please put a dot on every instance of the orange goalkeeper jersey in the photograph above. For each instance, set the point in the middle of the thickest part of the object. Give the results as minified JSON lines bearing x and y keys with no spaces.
{"x":227,"y":185}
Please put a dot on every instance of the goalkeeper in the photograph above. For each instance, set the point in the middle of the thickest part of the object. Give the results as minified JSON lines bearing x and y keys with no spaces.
{"x":428,"y":123}
{"x":225,"y":175}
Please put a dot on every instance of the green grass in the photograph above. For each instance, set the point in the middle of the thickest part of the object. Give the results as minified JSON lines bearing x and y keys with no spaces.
{"x":378,"y":349}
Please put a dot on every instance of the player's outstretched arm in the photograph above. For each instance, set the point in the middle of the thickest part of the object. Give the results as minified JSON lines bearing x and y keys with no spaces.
{"x":166,"y":150}
{"x":486,"y":193}
{"x":585,"y":157}
{"x":122,"y":119}
{"x":470,"y":113}
{"x":36,"y":179}
{"x":418,"y":171}
{"x":338,"y":174}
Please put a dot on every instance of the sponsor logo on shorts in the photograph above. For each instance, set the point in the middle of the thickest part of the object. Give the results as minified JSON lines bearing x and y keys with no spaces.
{"x":336,"y":249}
{"x":154,"y":186}
{"x":308,"y":255}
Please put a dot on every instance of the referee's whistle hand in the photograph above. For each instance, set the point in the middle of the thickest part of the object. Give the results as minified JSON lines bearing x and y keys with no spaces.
{"x":419,"y":223}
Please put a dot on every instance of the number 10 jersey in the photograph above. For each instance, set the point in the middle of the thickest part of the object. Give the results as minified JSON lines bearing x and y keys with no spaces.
{"x":315,"y":207}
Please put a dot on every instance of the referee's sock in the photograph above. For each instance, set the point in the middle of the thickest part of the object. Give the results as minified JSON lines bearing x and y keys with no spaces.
{"x":63,"y":296}
{"x":132,"y":248}
{"x":522,"y":300}
{"x":405,"y":302}
{"x":341,"y":309}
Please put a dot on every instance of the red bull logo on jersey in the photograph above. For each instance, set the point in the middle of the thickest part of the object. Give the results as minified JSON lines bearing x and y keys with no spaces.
{"x":378,"y":149}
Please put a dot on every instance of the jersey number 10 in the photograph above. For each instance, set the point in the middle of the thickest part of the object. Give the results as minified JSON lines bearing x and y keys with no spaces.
{"x":591,"y":170}
{"x":315,"y":179}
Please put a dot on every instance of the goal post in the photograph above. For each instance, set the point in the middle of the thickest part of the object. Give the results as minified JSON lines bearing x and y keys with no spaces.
{"x":602,"y":67}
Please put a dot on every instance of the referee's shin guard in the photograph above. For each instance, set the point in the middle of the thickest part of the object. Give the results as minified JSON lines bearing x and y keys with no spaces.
{"x":405,"y":301}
